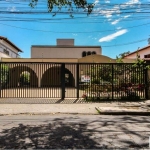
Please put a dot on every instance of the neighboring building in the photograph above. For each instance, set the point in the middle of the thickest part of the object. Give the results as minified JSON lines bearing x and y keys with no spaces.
{"x":8,"y":49}
{"x":143,"y":52}
{"x":65,"y":48}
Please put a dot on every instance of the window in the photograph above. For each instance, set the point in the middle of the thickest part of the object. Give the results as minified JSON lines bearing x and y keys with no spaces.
{"x":93,"y":53}
{"x":6,"y":51}
{"x":83,"y":54}
{"x":147,"y":56}
{"x":88,"y":53}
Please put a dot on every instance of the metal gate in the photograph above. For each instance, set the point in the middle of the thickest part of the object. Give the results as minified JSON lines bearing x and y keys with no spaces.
{"x":72,"y":80}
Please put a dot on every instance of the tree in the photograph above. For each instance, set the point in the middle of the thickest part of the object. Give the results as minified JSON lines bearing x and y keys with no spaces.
{"x":69,"y":4}
{"x":4,"y":69}
{"x":25,"y":79}
{"x":121,"y":56}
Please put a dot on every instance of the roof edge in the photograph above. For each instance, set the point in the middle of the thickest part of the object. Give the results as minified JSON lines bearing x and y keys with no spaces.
{"x":12,"y":44}
{"x":137,"y":51}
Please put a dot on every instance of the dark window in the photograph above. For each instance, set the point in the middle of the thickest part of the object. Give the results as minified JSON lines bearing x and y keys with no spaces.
{"x":83,"y":54}
{"x":147,"y":56}
{"x":93,"y":53}
{"x":88,"y":53}
{"x":6,"y":52}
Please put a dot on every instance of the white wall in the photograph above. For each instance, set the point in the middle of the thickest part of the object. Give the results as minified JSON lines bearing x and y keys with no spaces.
{"x":2,"y":55}
{"x":12,"y":51}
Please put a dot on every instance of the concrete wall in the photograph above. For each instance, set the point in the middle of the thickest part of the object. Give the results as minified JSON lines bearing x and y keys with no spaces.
{"x":61,"y":52}
{"x":69,"y":60}
{"x":65,"y":42}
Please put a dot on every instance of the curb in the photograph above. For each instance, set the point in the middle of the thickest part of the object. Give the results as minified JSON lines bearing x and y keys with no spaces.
{"x":142,"y":113}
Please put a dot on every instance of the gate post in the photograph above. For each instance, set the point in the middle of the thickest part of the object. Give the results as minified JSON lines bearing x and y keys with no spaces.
{"x":77,"y":78}
{"x":62,"y":81}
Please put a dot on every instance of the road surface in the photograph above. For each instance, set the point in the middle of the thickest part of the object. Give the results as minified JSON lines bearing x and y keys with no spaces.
{"x":74,"y":131}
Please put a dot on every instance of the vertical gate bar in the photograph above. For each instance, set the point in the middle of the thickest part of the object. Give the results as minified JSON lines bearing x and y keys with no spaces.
{"x":137,"y":81}
{"x":43,"y":90}
{"x":112,"y":82}
{"x":17,"y":68}
{"x":99,"y":83}
{"x":5,"y":91}
{"x":72,"y":69}
{"x":74,"y":79}
{"x":5,"y":76}
{"x":12,"y":79}
{"x":62,"y":74}
{"x":141,"y":70}
{"x":46,"y":86}
{"x":73,"y":83}
{"x":62,"y":81}
{"x":146,"y":82}
{"x":55,"y":88}
{"x":55,"y":79}
{"x":77,"y":74}
{"x":48,"y":91}
{"x":29,"y":85}
{"x":25,"y":88}
{"x":0,"y":79}
{"x":39,"y":88}
{"x":138,"y":76}
{"x":50,"y":88}
{"x":40,"y":69}
{"x":140,"y":81}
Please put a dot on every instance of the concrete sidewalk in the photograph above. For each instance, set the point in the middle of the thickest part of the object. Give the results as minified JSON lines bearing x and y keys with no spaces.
{"x":130,"y":108}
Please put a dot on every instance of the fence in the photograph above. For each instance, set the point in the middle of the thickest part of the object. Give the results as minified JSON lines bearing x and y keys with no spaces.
{"x":73,"y":80}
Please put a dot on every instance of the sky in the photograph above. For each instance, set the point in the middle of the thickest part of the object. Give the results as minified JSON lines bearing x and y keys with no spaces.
{"x":116,"y":25}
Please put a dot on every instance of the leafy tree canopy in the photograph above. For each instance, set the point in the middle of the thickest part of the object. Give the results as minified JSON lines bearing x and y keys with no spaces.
{"x":122,"y":55}
{"x":69,"y":4}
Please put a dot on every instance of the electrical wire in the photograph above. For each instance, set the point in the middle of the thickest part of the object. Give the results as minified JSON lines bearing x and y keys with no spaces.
{"x":72,"y":31}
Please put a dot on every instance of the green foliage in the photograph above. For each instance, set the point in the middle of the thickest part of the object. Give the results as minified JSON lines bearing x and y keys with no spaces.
{"x":119,"y":59}
{"x":139,"y":62}
{"x":25,"y":79}
{"x":100,"y":73}
{"x":121,"y":56}
{"x":69,"y":4}
{"x":4,"y":74}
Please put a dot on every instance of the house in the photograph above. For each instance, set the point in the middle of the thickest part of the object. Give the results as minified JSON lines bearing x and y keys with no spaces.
{"x":64,"y":48}
{"x":8,"y":49}
{"x":144,"y":53}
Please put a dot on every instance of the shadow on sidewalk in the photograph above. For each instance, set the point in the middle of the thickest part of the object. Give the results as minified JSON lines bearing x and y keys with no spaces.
{"x":60,"y":133}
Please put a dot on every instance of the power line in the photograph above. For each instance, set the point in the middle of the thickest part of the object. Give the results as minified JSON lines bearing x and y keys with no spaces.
{"x":74,"y":31}
{"x":125,"y":43}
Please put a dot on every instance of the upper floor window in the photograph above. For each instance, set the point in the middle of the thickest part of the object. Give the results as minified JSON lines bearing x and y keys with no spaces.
{"x":88,"y":53}
{"x":93,"y":53}
{"x":6,"y":51}
{"x":147,"y":56}
{"x":83,"y":54}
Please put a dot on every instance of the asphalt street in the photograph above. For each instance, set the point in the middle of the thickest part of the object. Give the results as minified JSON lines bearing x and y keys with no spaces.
{"x":74,"y":131}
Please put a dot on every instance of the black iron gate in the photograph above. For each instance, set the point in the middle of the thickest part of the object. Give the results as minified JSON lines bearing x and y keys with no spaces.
{"x":73,"y":80}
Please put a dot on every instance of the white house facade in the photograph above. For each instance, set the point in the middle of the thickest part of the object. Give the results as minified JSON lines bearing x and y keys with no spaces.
{"x":8,"y":49}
